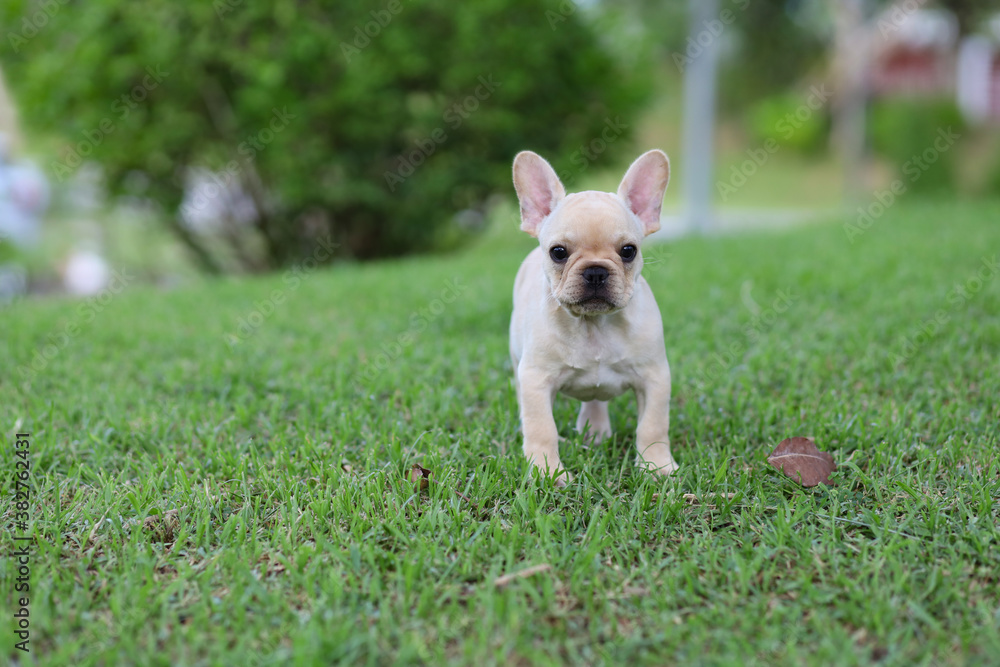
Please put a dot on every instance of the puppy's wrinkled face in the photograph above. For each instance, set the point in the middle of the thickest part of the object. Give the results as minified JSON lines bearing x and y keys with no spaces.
{"x":593,"y":257}
{"x":591,"y":239}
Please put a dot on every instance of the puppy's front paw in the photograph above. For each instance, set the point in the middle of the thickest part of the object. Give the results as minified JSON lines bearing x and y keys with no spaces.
{"x":546,"y":467}
{"x":657,"y":458}
{"x":666,"y":469}
{"x":562,"y":479}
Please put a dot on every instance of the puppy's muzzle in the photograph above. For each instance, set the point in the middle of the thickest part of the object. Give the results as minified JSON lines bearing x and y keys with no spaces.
{"x":595,"y":277}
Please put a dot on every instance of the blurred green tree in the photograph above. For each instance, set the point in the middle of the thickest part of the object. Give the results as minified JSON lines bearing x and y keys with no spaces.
{"x":371,"y":123}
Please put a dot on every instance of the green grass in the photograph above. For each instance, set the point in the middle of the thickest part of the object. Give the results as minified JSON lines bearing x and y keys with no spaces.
{"x":299,"y":538}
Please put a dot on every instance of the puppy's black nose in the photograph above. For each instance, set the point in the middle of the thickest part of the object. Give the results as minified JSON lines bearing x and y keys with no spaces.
{"x":595,"y":276}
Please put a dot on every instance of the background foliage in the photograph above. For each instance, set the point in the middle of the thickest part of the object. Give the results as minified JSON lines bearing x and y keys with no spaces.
{"x":363,"y":87}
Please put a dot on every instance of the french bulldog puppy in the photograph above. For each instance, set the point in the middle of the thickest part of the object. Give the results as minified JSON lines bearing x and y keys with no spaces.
{"x":585,"y":323}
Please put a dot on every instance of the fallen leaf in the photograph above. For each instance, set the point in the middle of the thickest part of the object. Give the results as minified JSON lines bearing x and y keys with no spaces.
{"x":420,"y":476}
{"x":527,"y":572}
{"x":800,"y":460}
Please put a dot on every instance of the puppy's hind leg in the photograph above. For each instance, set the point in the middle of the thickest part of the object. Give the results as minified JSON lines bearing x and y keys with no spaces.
{"x":594,"y":421}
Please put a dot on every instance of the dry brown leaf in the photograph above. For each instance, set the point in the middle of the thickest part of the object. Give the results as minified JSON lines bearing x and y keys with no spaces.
{"x":420,"y":476}
{"x":802,"y":461}
{"x":527,"y":572}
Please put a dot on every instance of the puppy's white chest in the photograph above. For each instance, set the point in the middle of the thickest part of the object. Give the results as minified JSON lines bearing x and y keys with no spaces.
{"x":596,"y":370}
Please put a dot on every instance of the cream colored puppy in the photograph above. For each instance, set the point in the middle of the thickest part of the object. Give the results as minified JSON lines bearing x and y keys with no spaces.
{"x":585,"y":323}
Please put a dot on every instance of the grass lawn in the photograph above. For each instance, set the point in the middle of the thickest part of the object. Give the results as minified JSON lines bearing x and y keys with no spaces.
{"x":203,"y":501}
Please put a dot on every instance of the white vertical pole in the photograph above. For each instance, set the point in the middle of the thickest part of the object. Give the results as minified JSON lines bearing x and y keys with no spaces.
{"x":8,"y":118}
{"x":699,"y":116}
{"x":852,"y":50}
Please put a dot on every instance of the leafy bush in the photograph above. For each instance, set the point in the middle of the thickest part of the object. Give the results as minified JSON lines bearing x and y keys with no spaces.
{"x":373,"y":123}
{"x":789,"y":121}
{"x":991,"y":182}
{"x":917,"y":137}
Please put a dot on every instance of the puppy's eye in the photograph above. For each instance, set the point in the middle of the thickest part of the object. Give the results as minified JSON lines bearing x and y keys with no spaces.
{"x":558,"y":254}
{"x":628,"y":252}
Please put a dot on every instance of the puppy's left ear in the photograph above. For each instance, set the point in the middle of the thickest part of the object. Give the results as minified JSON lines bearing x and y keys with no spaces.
{"x":643,"y":187}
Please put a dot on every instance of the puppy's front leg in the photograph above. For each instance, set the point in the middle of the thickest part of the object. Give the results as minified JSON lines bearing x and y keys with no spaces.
{"x":541,"y":439}
{"x":652,"y":438}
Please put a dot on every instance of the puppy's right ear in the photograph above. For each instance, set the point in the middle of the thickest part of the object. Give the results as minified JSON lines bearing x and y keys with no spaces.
{"x":538,"y":189}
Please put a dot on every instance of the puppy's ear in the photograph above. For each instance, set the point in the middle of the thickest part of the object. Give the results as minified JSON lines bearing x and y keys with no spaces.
{"x":538,"y":189}
{"x":643,"y":187}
